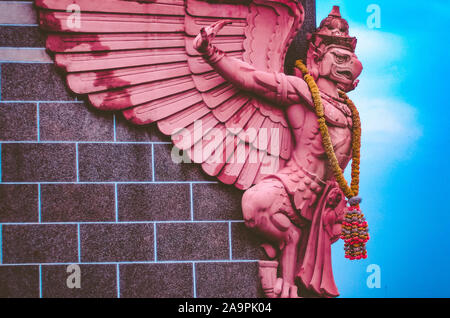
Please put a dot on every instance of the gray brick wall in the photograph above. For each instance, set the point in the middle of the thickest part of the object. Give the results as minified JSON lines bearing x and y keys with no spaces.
{"x":78,"y":186}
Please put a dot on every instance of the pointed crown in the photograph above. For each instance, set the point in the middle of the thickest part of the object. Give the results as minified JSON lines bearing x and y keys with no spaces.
{"x":333,"y":30}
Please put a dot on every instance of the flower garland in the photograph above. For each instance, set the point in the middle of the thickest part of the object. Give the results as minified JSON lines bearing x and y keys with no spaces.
{"x":354,"y":228}
{"x":353,"y":190}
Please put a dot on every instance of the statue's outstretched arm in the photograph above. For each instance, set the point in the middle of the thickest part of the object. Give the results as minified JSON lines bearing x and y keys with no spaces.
{"x":278,"y":88}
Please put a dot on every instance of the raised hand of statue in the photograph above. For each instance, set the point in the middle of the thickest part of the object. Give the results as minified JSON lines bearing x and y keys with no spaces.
{"x":202,"y":42}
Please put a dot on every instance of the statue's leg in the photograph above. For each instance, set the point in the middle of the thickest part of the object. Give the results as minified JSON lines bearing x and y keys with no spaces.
{"x":264,"y":209}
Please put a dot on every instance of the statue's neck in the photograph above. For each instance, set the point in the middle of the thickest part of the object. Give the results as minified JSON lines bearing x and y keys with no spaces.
{"x":327,"y":86}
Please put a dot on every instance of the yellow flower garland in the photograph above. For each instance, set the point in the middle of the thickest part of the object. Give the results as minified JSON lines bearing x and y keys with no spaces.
{"x":349,"y":191}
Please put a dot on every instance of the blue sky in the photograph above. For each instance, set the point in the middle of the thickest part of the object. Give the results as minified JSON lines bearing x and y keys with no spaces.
{"x":405,"y":149}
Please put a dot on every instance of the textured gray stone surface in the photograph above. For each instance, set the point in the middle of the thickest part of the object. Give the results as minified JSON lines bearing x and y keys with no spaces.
{"x":126,"y":131}
{"x":192,"y":241}
{"x":96,"y":281}
{"x":21,"y":36}
{"x":18,"y":203}
{"x":38,"y":162}
{"x":167,"y":170}
{"x":245,"y":244}
{"x":115,"y":162}
{"x":18,"y":121}
{"x":77,"y":202}
{"x":228,"y":280}
{"x":74,"y":121}
{"x":19,"y":281}
{"x":156,"y":280}
{"x":39,"y":243}
{"x":116,"y":242}
{"x":217,"y":202}
{"x":154,"y":202}
{"x":33,"y":82}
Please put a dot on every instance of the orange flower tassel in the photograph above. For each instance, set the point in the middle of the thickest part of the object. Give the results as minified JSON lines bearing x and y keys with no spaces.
{"x":354,"y":231}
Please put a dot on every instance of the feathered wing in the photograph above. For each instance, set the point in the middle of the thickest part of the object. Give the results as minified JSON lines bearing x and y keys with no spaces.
{"x":137,"y":57}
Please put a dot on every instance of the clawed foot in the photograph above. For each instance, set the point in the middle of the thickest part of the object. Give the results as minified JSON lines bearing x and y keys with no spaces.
{"x":283,"y":289}
{"x":275,"y":287}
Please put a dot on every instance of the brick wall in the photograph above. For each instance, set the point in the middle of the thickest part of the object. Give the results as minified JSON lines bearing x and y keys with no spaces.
{"x":78,"y":186}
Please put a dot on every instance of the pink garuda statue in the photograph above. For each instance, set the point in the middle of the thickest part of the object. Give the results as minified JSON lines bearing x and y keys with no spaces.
{"x":211,"y":75}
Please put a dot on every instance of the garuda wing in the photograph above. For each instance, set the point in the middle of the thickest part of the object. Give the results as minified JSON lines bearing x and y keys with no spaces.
{"x":137,"y":57}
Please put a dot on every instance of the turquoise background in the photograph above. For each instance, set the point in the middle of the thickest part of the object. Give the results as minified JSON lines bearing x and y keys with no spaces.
{"x":402,"y":98}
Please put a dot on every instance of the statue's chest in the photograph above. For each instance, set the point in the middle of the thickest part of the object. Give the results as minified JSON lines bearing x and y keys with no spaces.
{"x":336,"y":112}
{"x":339,"y":122}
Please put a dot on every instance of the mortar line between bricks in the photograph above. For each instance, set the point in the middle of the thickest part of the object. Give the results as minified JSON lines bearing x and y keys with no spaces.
{"x":191,"y":199}
{"x":79,"y":242}
{"x":114,"y":127}
{"x":39,"y":204}
{"x":1,"y":244}
{"x":123,"y":222}
{"x":18,"y":24}
{"x":153,"y":163}
{"x":0,"y":162}
{"x":155,"y":243}
{"x":38,"y":130}
{"x":40,"y":281}
{"x":26,"y":62}
{"x":109,"y":182}
{"x":194,"y":281}
{"x":42,"y":101}
{"x":0,"y":82}
{"x":22,"y":47}
{"x":137,"y":262}
{"x":21,"y":2}
{"x":116,"y":203}
{"x":77,"y":165}
{"x":85,"y":142}
{"x":118,"y":280}
{"x":229,"y":240}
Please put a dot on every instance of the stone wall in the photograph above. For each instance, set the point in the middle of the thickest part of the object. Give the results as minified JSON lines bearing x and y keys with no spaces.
{"x":78,"y":186}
